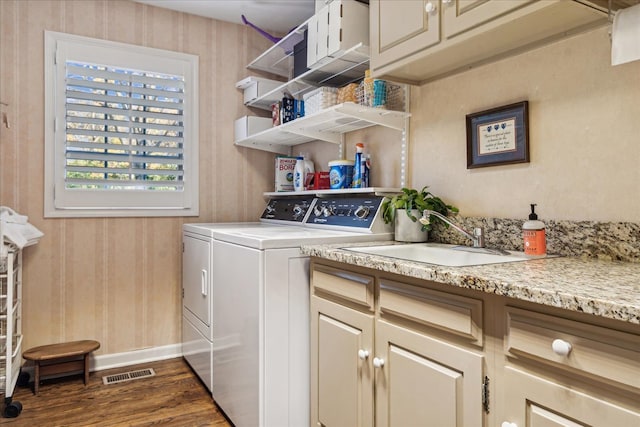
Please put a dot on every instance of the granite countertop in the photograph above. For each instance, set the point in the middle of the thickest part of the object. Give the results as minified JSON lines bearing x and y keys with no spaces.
{"x":609,"y":289}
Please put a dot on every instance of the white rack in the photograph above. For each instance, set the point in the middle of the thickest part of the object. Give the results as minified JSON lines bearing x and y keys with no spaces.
{"x":378,"y":191}
{"x":330,"y":124}
{"x":10,"y":328}
{"x":325,"y":125}
{"x":346,"y":67}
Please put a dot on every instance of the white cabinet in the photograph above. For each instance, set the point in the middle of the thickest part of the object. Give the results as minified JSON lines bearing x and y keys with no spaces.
{"x":341,"y":348}
{"x":394,"y":351}
{"x":341,"y":374}
{"x":560,"y":372}
{"x":373,"y":363}
{"x":459,"y":16}
{"x":400,"y":29}
{"x":533,"y":401}
{"x":416,"y":41}
{"x":425,"y":381}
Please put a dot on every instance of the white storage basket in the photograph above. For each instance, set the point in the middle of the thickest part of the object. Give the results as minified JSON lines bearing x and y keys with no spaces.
{"x":319,"y":99}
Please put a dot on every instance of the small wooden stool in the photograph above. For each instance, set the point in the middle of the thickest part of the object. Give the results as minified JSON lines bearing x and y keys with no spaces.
{"x":61,"y":358}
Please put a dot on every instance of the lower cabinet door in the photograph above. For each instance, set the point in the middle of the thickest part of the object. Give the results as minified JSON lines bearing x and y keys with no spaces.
{"x":422,"y":381}
{"x":532,"y":401}
{"x":341,"y":379}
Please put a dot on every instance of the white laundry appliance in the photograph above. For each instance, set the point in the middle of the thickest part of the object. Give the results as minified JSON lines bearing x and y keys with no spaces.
{"x":246,"y":302}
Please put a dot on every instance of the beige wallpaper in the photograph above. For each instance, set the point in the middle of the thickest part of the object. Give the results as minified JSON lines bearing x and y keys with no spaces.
{"x":584,"y":129}
{"x":118,"y":280}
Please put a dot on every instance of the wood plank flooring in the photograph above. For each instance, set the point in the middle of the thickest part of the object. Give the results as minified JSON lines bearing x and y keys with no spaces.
{"x":173,"y":397}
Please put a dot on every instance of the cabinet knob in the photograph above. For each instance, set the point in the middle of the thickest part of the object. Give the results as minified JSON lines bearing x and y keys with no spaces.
{"x":429,"y":7}
{"x":508,"y":424}
{"x":363,"y":354}
{"x":378,"y":363}
{"x":561,"y":347}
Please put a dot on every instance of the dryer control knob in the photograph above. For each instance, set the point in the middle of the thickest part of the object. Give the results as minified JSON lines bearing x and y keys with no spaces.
{"x":362,"y":212}
{"x":327,"y":211}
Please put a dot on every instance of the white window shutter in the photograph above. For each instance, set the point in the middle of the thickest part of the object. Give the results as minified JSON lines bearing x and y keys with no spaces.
{"x":125,"y":141}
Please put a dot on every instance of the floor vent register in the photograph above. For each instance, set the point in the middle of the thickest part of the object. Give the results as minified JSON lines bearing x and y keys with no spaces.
{"x":128,"y":376}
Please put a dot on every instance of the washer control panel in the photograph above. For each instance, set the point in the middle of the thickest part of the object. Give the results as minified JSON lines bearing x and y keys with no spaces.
{"x":352,"y":212}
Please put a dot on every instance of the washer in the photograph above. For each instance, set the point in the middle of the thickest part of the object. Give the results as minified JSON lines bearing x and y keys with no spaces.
{"x":246,"y":302}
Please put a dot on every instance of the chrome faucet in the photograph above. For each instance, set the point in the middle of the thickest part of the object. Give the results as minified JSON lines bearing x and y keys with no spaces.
{"x":478,"y":233}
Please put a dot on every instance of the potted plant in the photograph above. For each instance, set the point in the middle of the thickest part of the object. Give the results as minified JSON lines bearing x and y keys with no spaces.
{"x":404,"y":209}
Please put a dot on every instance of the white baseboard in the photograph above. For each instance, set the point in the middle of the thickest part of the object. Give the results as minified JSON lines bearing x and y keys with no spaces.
{"x":152,"y":354}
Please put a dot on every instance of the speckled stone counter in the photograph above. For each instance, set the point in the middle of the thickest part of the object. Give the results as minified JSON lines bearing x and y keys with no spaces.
{"x":614,"y":241}
{"x":609,"y":289}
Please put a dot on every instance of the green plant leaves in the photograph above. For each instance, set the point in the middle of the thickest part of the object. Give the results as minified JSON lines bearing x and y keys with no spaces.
{"x":410,"y":199}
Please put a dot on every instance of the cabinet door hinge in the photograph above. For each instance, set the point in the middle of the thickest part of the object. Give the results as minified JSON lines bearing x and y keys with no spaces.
{"x":485,"y":394}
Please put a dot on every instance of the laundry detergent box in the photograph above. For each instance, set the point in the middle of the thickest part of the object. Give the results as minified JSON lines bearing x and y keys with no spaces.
{"x":284,"y":173}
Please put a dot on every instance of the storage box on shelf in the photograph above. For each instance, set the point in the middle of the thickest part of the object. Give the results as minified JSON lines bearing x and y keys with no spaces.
{"x":246,"y":126}
{"x":256,"y":87}
{"x":336,"y":26}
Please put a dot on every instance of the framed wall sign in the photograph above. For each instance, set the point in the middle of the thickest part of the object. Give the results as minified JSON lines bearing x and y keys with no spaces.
{"x":499,"y":136}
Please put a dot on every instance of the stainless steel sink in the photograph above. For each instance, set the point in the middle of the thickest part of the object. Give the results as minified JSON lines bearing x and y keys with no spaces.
{"x":442,"y":254}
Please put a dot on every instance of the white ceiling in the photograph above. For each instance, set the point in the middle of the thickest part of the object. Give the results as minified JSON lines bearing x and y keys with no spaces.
{"x":269,"y":15}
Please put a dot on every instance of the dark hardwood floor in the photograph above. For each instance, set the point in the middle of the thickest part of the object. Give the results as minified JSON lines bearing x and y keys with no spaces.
{"x":173,"y":397}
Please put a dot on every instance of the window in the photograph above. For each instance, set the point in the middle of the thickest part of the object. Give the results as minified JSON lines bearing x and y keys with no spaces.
{"x":121,"y":129}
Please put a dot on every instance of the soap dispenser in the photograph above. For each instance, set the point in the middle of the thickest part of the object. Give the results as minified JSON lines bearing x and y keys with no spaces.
{"x":533,"y":234}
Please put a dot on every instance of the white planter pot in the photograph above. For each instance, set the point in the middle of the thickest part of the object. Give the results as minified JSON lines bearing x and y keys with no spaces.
{"x":407,"y":230}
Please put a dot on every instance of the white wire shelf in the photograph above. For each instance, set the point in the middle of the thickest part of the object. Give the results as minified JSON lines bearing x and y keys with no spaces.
{"x":343,"y":68}
{"x":325,"y":125}
{"x":379,"y":191}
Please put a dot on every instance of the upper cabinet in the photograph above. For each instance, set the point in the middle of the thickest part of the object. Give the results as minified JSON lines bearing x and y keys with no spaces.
{"x":400,"y":29}
{"x":417,"y":41}
{"x":462,"y":15}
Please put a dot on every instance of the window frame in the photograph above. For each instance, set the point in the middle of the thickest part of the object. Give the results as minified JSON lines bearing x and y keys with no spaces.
{"x":60,"y":48}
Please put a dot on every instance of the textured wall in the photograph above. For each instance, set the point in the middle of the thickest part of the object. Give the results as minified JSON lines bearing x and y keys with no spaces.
{"x":118,"y":280}
{"x":584,"y":134}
